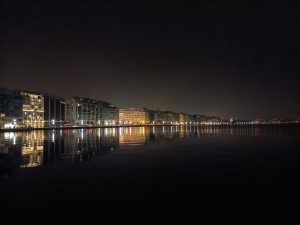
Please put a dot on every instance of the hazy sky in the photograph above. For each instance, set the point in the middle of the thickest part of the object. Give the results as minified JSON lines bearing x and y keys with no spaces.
{"x":237,"y":58}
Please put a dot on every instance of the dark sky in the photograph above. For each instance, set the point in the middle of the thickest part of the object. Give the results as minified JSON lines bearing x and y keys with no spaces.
{"x":229,"y":59}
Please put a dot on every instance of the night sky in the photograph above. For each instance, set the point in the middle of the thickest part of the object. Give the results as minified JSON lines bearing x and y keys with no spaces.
{"x":229,"y":59}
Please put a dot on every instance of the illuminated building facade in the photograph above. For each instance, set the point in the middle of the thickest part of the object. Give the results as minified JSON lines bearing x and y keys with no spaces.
{"x":133,"y":116}
{"x":201,"y":118}
{"x":89,"y":112}
{"x":184,"y":119}
{"x":26,"y":109}
{"x":83,"y":112}
{"x":33,"y":109}
{"x":212,"y":120}
{"x":54,"y":111}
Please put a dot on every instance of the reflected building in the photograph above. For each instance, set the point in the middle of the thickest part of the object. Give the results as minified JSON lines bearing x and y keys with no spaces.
{"x":109,"y":138}
{"x":163,"y":133}
{"x":10,"y":153}
{"x":84,"y":144}
{"x":133,"y":135}
{"x":183,"y":131}
{"x":54,"y":146}
{"x":44,"y":147}
{"x":80,"y":144}
{"x":32,"y":149}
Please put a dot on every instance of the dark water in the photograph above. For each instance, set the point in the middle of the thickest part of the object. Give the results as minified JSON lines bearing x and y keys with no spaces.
{"x":152,"y":175}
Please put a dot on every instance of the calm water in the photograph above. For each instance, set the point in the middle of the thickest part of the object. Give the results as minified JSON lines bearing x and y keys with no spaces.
{"x":152,"y":175}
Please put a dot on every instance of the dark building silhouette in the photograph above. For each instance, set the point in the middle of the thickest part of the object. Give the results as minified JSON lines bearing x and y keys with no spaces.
{"x":54,"y":111}
{"x":10,"y":103}
{"x":10,"y":107}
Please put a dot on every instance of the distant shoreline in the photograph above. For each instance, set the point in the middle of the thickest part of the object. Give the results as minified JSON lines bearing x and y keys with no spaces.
{"x":148,"y":125}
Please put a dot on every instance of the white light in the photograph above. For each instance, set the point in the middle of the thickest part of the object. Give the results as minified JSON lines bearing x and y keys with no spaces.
{"x":9,"y":135}
{"x":9,"y":125}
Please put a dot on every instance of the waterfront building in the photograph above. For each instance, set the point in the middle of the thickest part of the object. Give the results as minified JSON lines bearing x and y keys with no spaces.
{"x":54,"y":111}
{"x":109,"y":114}
{"x":83,"y":112}
{"x":184,"y":119}
{"x":171,"y":117}
{"x":163,"y":117}
{"x":202,"y":118}
{"x":212,"y":120}
{"x":133,"y":116}
{"x":198,"y":119}
{"x":10,"y":108}
{"x":33,"y":109}
{"x":89,"y":112}
{"x":152,"y":116}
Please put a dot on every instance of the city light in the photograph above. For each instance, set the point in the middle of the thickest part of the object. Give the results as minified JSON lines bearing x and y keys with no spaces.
{"x":36,"y":109}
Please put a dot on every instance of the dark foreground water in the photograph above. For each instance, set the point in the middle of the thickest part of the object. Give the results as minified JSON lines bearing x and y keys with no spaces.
{"x":152,"y":175}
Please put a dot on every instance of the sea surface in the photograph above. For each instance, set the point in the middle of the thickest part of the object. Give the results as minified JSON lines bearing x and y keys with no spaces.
{"x":151,"y":175}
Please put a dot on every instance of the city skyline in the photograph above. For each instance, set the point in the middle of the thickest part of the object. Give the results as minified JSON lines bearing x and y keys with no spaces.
{"x":165,"y":108}
{"x":235,"y":60}
{"x":29,"y":109}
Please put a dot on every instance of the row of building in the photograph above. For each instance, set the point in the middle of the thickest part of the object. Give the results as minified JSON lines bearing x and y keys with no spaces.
{"x":19,"y":108}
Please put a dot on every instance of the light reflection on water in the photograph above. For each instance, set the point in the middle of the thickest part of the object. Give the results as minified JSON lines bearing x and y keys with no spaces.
{"x":41,"y":148}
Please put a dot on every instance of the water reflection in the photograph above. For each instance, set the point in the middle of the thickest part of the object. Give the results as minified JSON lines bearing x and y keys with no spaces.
{"x":133,"y":135}
{"x":40,"y":148}
{"x":32,"y":149}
